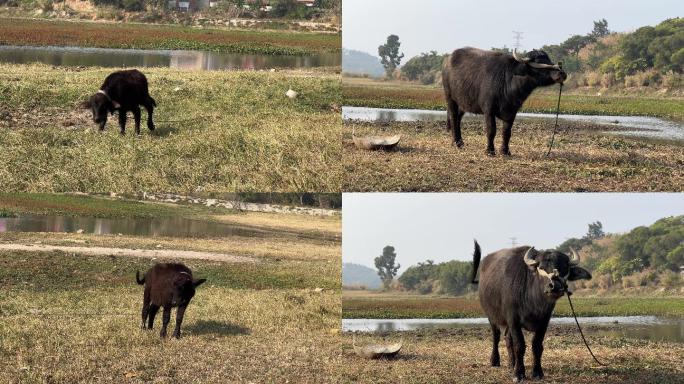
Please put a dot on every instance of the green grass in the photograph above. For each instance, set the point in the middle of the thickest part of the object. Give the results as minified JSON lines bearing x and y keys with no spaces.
{"x":121,"y":35}
{"x":387,"y":306}
{"x":15,"y":203}
{"x":216,"y":132}
{"x":542,"y":101}
{"x":38,"y":272}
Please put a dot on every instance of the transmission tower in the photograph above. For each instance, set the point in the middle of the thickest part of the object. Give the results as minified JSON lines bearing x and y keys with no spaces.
{"x":514,"y":241}
{"x":517,"y":36}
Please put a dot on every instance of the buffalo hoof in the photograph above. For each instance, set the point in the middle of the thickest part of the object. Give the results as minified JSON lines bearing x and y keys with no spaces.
{"x":505,"y":152}
{"x":537,"y":374}
{"x":491,"y":153}
{"x":458,"y":144}
{"x":518,"y":378}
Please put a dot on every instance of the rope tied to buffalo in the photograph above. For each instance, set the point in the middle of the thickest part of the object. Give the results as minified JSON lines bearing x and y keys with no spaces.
{"x":582,"y":333}
{"x":555,"y":127}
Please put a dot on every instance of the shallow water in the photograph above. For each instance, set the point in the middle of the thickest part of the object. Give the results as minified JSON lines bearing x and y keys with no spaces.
{"x":197,"y":60}
{"x":639,"y":327}
{"x":639,"y":126}
{"x":168,"y":226}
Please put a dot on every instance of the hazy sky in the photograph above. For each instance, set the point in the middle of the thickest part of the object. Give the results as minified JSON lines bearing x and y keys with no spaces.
{"x":442,"y":226}
{"x":444,"y":25}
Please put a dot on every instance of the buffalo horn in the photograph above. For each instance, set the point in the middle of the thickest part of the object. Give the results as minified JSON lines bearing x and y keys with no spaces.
{"x":526,"y":60}
{"x":518,"y":59}
{"x":575,"y":257}
{"x":529,"y":260}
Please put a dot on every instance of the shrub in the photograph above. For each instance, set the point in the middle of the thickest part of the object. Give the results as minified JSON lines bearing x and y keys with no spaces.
{"x":592,"y":79}
{"x":671,"y":279}
{"x":132,"y":5}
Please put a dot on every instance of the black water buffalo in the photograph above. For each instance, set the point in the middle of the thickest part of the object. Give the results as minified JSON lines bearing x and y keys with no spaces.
{"x":495,"y":84}
{"x":122,"y":91}
{"x":518,"y":289}
{"x":167,"y":285}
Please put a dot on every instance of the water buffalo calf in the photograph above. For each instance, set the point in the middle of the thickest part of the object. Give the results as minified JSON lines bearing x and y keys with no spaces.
{"x":122,"y":91}
{"x":494,"y":84}
{"x":167,"y":285}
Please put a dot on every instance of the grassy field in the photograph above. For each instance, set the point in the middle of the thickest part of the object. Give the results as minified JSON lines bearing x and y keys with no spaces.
{"x":68,"y":317}
{"x":118,"y":35}
{"x":216,"y":131}
{"x":15,"y":203}
{"x":583,"y":159}
{"x":371,"y":305}
{"x":402,"y":95}
{"x":462,"y":355}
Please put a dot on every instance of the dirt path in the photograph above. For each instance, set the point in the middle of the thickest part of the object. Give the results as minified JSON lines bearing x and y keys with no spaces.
{"x":146,"y":253}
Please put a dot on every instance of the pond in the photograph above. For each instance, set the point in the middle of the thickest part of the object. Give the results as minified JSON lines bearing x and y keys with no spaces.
{"x":196,"y":60}
{"x":167,"y":226}
{"x":638,"y":327}
{"x":639,"y":126}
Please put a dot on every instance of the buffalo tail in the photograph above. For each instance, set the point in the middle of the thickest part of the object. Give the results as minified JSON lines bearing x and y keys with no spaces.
{"x":477,"y":254}
{"x":137,"y":278}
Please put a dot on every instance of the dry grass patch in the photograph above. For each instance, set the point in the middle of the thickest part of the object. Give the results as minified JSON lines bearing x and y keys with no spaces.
{"x":582,"y":160}
{"x":69,"y":318}
{"x":462,"y":355}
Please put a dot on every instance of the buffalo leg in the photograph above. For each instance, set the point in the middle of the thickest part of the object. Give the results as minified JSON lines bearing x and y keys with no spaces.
{"x":454,"y":120}
{"x":496,"y":336}
{"x":180,"y":312}
{"x":145,"y":308}
{"x":136,"y":117}
{"x":447,"y":97}
{"x":122,"y":121}
{"x":152,"y":314}
{"x":519,"y":351}
{"x":506,"y":136}
{"x":490,"y":123}
{"x":166,"y":317}
{"x":509,"y":349}
{"x":150,"y":108}
{"x":537,"y":350}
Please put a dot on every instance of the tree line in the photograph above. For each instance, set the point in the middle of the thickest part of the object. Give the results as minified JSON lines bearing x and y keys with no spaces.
{"x":239,"y":8}
{"x":646,"y":256}
{"x":651,"y":55}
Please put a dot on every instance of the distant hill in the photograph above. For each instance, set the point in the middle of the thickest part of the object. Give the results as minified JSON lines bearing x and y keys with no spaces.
{"x":356,"y":275}
{"x":359,"y":63}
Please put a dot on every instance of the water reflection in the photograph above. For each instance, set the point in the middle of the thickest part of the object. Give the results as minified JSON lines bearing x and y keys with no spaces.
{"x":639,"y":327}
{"x":170,"y":226}
{"x":650,"y":127}
{"x":197,"y":60}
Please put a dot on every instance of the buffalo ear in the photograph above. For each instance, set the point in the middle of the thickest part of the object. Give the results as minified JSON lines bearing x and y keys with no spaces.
{"x":85,"y":105}
{"x":198,"y":282}
{"x":578,"y":273}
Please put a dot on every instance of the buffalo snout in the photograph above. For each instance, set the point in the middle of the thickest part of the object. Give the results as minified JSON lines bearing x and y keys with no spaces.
{"x":555,"y":288}
{"x":559,"y":76}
